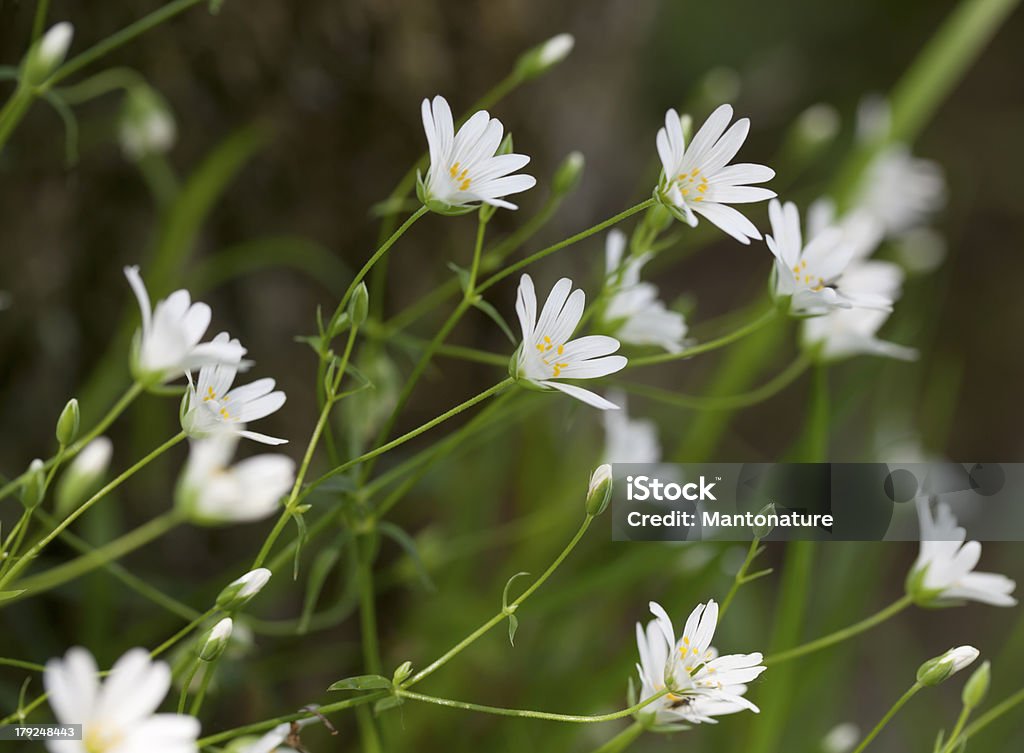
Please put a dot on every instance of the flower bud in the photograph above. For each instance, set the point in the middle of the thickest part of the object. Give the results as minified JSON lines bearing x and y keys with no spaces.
{"x":403,"y":671}
{"x":212,"y":645}
{"x":976,"y":687}
{"x":359,"y":305}
{"x":599,"y":493}
{"x":568,"y":174}
{"x":147,"y":124}
{"x":67,"y":424}
{"x":47,"y":54}
{"x":539,"y":59}
{"x":841,"y":739}
{"x":34,"y":487}
{"x":84,"y":475}
{"x":239,"y":592}
{"x":936,"y":670}
{"x":763,"y":530}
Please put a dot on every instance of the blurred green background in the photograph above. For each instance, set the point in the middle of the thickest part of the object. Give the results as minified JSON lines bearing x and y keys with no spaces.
{"x":311,"y":110}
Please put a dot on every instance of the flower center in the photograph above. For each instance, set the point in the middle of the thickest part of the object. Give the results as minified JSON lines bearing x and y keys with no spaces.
{"x":218,"y":407}
{"x":97,"y":738}
{"x":545,"y":348}
{"x":461,"y":179}
{"x":693,"y":185}
{"x":802,"y":276}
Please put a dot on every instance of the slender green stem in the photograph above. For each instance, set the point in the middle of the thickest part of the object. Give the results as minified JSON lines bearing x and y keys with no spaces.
{"x":13,"y":111}
{"x":373,"y":260}
{"x":4,"y":662}
{"x":42,"y":543}
{"x":993,"y":713}
{"x":500,"y":711}
{"x":481,"y":228}
{"x":961,"y":720}
{"x":572,"y":239}
{"x":888,"y":716}
{"x":186,"y":684}
{"x":69,"y":452}
{"x":841,"y":635}
{"x":622,"y":740}
{"x":489,"y":392}
{"x":720,"y":342}
{"x":204,"y":685}
{"x":501,"y":615}
{"x":101,"y":556}
{"x":739,"y":579}
{"x":368,"y":619}
{"x":39,"y":22}
{"x":111,"y":79}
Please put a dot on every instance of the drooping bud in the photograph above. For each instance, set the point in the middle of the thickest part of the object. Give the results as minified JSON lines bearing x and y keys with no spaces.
{"x":67,"y":424}
{"x":568,"y":174}
{"x":539,"y":59}
{"x":359,"y":306}
{"x":976,"y":687}
{"x":936,"y":670}
{"x":47,"y":54}
{"x":147,"y":123}
{"x":34,"y":487}
{"x":240,"y":591}
{"x":212,"y":645}
{"x":84,"y":475}
{"x":599,"y":493}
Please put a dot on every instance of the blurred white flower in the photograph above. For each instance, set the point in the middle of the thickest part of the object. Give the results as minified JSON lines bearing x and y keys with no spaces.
{"x":626,"y":439}
{"x":699,"y":179}
{"x":147,"y":124}
{"x":168,"y":343}
{"x":84,"y":474}
{"x":546,"y":353}
{"x":633,"y":308}
{"x":944,"y":570}
{"x":274,"y":741}
{"x":841,"y":739}
{"x":212,"y":491}
{"x":901,"y":191}
{"x":703,"y":684}
{"x":211,"y":405}
{"x":464,"y":167}
{"x":119,"y":715}
{"x":809,"y":274}
{"x":842,"y":333}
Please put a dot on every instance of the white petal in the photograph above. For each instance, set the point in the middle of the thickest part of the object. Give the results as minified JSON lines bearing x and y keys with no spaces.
{"x":583,"y":395}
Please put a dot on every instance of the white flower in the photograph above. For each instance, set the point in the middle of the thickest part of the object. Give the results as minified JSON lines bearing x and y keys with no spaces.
{"x":546,"y":353}
{"x":211,"y":491}
{"x":629,"y":440}
{"x":211,"y":405}
{"x":842,"y":333}
{"x":119,"y":715}
{"x":699,"y":179}
{"x":168,"y":343}
{"x":901,"y":191}
{"x":703,"y":684}
{"x":633,"y":308}
{"x":273,"y":741}
{"x":944,"y":570}
{"x":464,"y":169}
{"x":809,"y":275}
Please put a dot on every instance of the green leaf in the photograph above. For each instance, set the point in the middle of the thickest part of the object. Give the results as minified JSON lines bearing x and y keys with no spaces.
{"x":508,"y":584}
{"x":318,"y":572}
{"x":460,"y":272}
{"x":392,"y":701}
{"x":300,"y":522}
{"x":407,"y":543}
{"x":513,"y":626}
{"x":362,"y":682}
{"x":497,"y":318}
{"x":5,"y":595}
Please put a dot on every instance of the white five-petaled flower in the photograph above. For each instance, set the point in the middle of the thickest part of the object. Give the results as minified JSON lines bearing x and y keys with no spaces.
{"x":901,"y":191}
{"x":944,"y":570}
{"x":633,"y":308}
{"x":465,"y":170}
{"x":809,"y":274}
{"x":211,"y":405}
{"x":842,"y":333}
{"x":547,"y":354}
{"x":212,"y":491}
{"x":168,"y":343}
{"x":699,"y":179}
{"x":626,"y":439}
{"x":119,"y":715}
{"x":702,"y":684}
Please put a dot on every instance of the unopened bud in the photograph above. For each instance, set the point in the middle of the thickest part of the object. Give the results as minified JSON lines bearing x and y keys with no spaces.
{"x":599,"y":493}
{"x":977,"y":686}
{"x":212,"y":645}
{"x":761,"y":531}
{"x":539,"y":59}
{"x":147,"y":123}
{"x":47,"y":54}
{"x":568,"y":174}
{"x":239,"y":592}
{"x":403,"y":671}
{"x":34,"y":487}
{"x":359,"y":305}
{"x":84,"y":475}
{"x":67,"y":424}
{"x":936,"y":670}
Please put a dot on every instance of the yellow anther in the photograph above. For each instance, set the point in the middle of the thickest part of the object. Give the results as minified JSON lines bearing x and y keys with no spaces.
{"x":454,"y":169}
{"x":464,"y":185}
{"x":686,"y":640}
{"x":224,"y":413}
{"x":803,"y":264}
{"x":561,"y":349}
